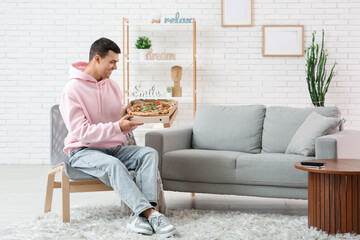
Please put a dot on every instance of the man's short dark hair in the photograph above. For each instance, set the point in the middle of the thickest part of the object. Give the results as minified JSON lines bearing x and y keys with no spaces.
{"x":101,"y":47}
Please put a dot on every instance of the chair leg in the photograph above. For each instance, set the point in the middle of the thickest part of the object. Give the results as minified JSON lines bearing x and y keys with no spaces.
{"x":192,"y":194}
{"x":50,"y":188}
{"x":65,"y":186}
{"x":49,"y":192}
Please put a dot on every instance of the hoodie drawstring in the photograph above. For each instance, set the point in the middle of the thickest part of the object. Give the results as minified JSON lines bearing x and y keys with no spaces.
{"x":98,"y":88}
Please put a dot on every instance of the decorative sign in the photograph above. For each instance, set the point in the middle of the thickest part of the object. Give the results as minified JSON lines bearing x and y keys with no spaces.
{"x":151,"y":92}
{"x":159,"y":56}
{"x":177,"y":19}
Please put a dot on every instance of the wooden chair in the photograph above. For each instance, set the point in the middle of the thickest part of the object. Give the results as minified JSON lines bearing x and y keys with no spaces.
{"x":72,"y":180}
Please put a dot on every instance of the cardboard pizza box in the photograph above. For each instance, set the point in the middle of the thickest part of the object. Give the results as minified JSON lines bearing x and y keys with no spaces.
{"x":166,"y":119}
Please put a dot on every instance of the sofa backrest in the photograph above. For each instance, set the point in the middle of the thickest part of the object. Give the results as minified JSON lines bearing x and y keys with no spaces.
{"x":232,"y":128}
{"x":281,"y":123}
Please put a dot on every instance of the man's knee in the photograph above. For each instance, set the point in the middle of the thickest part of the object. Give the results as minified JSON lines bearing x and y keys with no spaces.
{"x":149,"y":150}
{"x":152,"y":153}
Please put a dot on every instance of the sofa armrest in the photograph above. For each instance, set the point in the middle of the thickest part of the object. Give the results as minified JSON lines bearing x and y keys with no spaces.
{"x":343,"y":144}
{"x":171,"y":139}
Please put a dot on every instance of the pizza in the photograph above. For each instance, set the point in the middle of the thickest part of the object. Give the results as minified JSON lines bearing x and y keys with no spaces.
{"x":154,"y":108}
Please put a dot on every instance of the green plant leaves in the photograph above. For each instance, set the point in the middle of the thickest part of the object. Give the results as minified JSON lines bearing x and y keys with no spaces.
{"x":318,"y":82}
{"x":143,"y":42}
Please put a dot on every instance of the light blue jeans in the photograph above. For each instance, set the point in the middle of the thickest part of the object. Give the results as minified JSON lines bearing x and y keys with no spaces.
{"x":112,"y":167}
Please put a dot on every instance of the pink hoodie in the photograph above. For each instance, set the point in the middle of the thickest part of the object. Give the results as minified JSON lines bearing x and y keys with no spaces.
{"x":91,"y":111}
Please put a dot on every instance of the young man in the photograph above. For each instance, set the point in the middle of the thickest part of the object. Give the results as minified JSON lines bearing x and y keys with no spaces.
{"x":91,"y":106}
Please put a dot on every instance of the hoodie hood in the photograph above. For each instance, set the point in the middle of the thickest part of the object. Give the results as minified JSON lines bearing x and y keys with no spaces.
{"x":77,"y":72}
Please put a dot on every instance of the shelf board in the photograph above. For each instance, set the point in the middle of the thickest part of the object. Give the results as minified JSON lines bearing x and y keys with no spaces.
{"x":179,"y":99}
{"x":162,"y":24}
{"x":179,"y":62}
{"x":145,"y":128}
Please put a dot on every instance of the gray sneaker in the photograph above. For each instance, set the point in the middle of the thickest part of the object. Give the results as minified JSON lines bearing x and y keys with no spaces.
{"x":139,"y":224}
{"x":161,"y":225}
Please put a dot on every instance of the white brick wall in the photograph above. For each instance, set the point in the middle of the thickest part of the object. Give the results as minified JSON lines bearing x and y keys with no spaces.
{"x":40,"y":38}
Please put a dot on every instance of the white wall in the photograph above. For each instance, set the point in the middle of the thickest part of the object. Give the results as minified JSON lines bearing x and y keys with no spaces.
{"x":40,"y":38}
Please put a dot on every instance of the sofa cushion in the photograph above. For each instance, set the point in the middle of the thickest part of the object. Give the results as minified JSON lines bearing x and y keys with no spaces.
{"x":281,"y":123}
{"x":231,"y":128}
{"x":314,"y":126}
{"x":273,"y":169}
{"x":197,"y":165}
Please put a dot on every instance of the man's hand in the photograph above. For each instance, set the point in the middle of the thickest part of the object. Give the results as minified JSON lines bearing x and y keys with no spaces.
{"x":126,"y":125}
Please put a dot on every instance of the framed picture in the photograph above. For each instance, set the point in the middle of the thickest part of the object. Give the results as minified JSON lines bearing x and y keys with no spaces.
{"x":283,"y":40}
{"x":236,"y":13}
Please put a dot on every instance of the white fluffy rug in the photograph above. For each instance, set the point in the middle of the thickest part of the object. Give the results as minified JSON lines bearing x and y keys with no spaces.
{"x":105,"y":222}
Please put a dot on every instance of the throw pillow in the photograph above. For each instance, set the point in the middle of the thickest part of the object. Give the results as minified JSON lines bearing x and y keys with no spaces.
{"x":314,"y":126}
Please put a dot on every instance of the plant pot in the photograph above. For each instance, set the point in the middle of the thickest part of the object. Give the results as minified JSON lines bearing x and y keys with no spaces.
{"x":168,"y":94}
{"x":142,"y":54}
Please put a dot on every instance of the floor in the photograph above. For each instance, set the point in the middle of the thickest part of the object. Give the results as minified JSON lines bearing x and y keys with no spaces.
{"x":22,"y":194}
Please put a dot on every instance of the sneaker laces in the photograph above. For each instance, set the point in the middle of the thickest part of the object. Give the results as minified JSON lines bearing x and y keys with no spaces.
{"x":160,"y":221}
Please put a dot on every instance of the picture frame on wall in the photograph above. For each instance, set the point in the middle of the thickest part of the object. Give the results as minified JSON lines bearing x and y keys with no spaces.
{"x":236,"y":13}
{"x":283,"y":40}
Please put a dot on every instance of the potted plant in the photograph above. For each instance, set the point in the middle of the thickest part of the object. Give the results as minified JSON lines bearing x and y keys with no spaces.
{"x":318,"y":82}
{"x":143,"y":43}
{"x":168,"y":91}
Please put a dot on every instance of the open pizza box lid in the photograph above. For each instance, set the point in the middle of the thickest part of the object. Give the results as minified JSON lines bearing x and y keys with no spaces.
{"x":166,"y":119}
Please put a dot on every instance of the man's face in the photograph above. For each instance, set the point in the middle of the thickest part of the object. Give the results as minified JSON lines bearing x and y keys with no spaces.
{"x":106,"y":65}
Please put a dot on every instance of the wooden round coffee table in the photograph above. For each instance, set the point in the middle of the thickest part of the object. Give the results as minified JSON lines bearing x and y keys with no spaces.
{"x":334,"y":195}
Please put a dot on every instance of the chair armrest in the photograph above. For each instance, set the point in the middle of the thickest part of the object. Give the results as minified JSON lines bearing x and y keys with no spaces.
{"x":343,"y":144}
{"x":171,"y":139}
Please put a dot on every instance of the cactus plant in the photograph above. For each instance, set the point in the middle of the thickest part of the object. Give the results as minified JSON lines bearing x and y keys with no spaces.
{"x":318,"y":82}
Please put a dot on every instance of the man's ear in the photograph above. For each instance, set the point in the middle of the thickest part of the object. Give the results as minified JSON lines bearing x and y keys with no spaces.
{"x":96,"y":58}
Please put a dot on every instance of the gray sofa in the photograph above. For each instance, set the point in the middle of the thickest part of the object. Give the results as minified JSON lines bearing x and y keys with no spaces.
{"x":240,"y":150}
